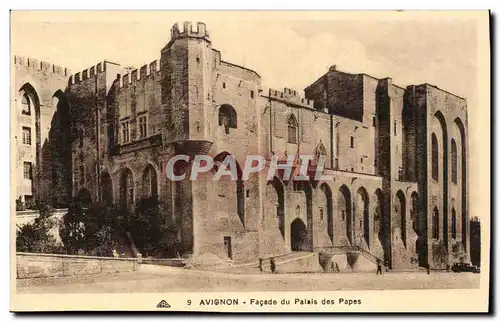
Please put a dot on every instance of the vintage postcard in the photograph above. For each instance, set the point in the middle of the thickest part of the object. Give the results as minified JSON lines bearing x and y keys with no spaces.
{"x":328,"y":161}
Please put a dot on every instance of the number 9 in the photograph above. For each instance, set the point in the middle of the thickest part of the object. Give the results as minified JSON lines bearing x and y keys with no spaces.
{"x":189,"y":302}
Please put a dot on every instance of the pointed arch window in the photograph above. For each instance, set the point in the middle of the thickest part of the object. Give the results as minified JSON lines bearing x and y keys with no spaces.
{"x":453,"y":224}
{"x":435,"y":224}
{"x":320,"y":151}
{"x":454,"y":161}
{"x":435,"y":158}
{"x":292,"y":129}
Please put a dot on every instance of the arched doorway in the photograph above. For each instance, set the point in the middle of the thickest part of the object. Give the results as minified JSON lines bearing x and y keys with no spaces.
{"x":279,"y":201}
{"x":381,"y":223}
{"x":362,"y":224}
{"x":306,"y":187}
{"x":400,"y":215}
{"x":327,"y":206}
{"x":298,"y":236}
{"x":344,"y":208}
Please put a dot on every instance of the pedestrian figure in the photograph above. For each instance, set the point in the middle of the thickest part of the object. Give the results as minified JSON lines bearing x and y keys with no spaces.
{"x":337,"y":269}
{"x":260,"y":264}
{"x":379,"y":267}
{"x":273,"y":265}
{"x":386,"y":266}
{"x":428,"y":269}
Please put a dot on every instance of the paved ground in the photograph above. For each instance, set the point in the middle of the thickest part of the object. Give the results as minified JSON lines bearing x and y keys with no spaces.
{"x":183,"y":280}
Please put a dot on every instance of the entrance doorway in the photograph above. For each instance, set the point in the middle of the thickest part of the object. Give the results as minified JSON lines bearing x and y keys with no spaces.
{"x":298,"y":235}
{"x":228,"y":247}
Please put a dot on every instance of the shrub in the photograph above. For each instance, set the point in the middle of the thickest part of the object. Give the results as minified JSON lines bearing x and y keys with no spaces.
{"x":36,"y":237}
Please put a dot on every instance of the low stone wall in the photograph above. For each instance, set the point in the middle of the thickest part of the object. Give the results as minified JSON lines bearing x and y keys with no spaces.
{"x":31,"y":265}
{"x":174,"y":262}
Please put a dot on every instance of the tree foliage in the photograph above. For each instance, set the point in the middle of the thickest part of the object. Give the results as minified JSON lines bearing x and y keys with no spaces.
{"x":36,"y":236}
{"x":99,"y":229}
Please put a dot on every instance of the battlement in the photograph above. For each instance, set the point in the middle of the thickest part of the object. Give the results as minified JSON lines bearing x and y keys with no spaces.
{"x":41,"y":65}
{"x":141,"y":73}
{"x":290,"y":96}
{"x":189,"y":31}
{"x":88,"y":73}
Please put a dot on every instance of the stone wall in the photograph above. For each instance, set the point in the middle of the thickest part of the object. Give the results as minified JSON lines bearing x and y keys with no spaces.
{"x":30,"y":265}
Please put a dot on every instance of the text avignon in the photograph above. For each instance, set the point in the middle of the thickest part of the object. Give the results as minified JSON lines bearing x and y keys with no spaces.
{"x":205,"y":302}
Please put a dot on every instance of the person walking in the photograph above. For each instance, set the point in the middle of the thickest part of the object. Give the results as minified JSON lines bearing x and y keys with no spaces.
{"x":260,"y":264}
{"x":379,"y":267}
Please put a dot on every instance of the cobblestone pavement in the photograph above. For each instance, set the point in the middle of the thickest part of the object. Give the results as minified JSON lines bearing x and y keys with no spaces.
{"x":168,"y":279}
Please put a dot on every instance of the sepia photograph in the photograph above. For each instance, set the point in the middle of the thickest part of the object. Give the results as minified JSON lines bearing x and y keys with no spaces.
{"x":250,"y":161}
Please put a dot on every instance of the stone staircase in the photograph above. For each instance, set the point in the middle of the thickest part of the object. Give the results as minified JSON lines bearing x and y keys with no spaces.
{"x":295,"y":262}
{"x":347,"y":258}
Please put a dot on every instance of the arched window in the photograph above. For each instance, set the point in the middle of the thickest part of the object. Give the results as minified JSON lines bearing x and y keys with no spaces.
{"x":292,"y":129}
{"x":453,"y":224}
{"x":320,"y":151}
{"x":26,"y":104}
{"x":453,"y":161}
{"x":435,"y":158}
{"x":435,"y":223}
{"x":149,"y":182}
{"x":227,"y":118}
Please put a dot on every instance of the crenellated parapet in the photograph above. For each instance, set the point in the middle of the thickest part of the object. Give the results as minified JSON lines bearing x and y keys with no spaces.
{"x":140,"y":74}
{"x":87,"y":73}
{"x":198,"y":30}
{"x":41,"y":65}
{"x":291,"y":97}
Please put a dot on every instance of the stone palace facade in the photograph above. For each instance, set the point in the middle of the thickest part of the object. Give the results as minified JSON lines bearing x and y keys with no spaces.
{"x":398,"y":155}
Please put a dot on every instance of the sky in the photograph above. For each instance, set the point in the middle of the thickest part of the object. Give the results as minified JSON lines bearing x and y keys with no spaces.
{"x":292,"y":50}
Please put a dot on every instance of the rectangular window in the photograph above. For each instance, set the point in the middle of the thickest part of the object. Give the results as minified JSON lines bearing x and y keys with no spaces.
{"x":321,"y":213}
{"x":336,"y":163}
{"x":395,"y":128}
{"x":352,"y":141}
{"x":80,"y":137}
{"x":27,"y":170}
{"x":374,"y":121}
{"x":251,"y":94}
{"x":248,"y":193}
{"x":26,"y":135}
{"x":223,"y":85}
{"x":143,"y":127}
{"x":342,"y":215}
{"x":126,"y":132}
